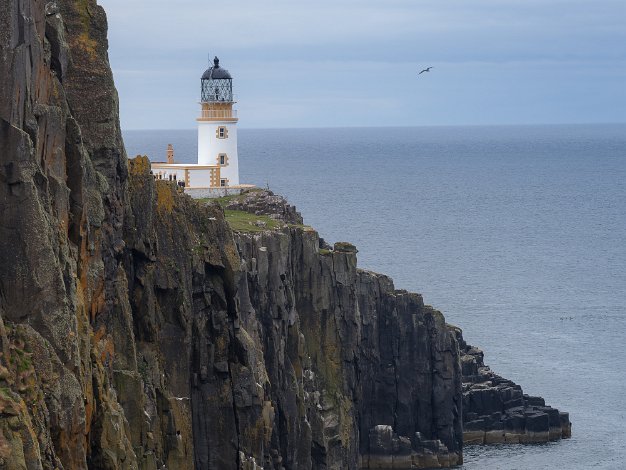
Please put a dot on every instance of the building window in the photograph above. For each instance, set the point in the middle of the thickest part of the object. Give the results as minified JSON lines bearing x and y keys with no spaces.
{"x":222,"y":159}
{"x":223,"y":182}
{"x":221,"y":133}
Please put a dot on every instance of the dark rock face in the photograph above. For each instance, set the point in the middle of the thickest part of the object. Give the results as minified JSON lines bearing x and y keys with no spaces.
{"x":138,"y":332}
{"x":180,"y":260}
{"x":61,"y":218}
{"x":360,"y":356}
{"x":496,"y":410}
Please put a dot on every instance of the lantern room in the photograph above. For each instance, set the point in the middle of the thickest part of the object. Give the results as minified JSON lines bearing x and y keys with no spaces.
{"x":216,"y":84}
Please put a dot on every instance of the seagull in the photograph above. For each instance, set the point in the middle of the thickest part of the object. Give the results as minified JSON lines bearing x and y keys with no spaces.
{"x":425,"y":70}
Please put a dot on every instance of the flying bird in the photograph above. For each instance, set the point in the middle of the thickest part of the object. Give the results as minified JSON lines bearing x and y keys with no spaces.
{"x":425,"y":70}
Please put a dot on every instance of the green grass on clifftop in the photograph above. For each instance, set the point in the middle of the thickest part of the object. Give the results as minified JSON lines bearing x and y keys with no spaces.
{"x":241,"y":221}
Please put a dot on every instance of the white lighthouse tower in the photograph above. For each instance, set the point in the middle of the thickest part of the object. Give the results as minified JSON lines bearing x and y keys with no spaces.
{"x":217,"y":126}
{"x":216,"y":173}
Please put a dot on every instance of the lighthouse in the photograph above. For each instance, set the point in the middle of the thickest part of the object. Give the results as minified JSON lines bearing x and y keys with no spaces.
{"x":217,"y":126}
{"x":216,"y":172}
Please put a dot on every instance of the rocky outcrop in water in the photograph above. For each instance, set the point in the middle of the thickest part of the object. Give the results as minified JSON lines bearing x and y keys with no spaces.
{"x":496,"y":410}
{"x":137,"y":331}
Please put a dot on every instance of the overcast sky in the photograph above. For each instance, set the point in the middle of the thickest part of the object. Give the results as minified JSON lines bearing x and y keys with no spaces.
{"x":355,"y":62}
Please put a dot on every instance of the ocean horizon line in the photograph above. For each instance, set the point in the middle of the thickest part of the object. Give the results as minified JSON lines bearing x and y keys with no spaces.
{"x":428,"y":126}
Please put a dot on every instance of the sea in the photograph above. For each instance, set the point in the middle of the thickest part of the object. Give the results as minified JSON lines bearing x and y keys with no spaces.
{"x":516,"y":233}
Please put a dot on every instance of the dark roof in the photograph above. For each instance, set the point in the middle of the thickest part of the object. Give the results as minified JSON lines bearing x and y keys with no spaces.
{"x":215,"y":72}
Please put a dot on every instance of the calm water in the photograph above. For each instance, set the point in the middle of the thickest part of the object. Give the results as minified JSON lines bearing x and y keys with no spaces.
{"x":518,"y":234}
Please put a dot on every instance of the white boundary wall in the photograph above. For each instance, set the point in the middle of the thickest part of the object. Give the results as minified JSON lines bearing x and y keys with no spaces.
{"x":201,"y":193}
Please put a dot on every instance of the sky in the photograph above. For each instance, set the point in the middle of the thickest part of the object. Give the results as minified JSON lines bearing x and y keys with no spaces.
{"x":352,"y":63}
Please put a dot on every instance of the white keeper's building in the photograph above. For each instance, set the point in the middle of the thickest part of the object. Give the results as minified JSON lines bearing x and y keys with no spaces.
{"x":216,"y":172}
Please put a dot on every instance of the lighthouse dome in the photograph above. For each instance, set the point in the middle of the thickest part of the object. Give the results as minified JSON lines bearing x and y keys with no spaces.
{"x":216,"y":84}
{"x":216,"y":72}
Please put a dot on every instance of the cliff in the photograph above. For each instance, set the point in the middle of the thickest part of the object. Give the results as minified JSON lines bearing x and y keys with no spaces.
{"x":138,"y":331}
